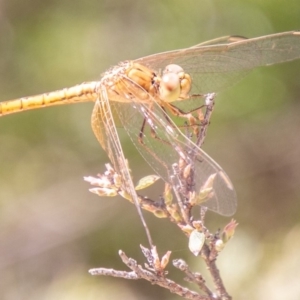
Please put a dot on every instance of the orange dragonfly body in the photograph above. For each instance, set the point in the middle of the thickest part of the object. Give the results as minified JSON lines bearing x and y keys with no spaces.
{"x":155,"y":96}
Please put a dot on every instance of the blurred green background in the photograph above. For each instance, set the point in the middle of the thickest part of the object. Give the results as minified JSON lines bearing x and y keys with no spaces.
{"x":52,"y":230}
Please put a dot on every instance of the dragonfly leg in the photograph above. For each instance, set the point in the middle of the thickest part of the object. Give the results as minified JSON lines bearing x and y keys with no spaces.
{"x":183,"y":158}
{"x":197,"y":118}
{"x":153,"y":135}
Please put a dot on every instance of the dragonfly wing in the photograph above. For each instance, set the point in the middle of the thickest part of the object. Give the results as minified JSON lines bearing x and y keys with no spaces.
{"x":214,"y":67}
{"x":101,"y":122}
{"x":105,"y":130}
{"x":162,"y":145}
{"x":221,"y":40}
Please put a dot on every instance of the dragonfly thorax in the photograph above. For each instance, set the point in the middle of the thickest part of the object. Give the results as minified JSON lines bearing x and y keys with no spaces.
{"x":132,"y":81}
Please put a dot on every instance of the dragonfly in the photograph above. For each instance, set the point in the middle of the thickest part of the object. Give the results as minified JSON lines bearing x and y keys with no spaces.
{"x":158,"y":99}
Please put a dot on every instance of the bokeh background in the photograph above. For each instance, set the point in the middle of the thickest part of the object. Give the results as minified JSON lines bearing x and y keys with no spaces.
{"x":52,"y":230}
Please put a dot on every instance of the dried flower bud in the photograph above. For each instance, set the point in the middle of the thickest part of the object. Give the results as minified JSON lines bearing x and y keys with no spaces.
{"x":117,"y":180}
{"x":229,"y":230}
{"x":146,"y":181}
{"x":186,"y":228}
{"x":104,"y":192}
{"x":159,"y":213}
{"x":155,"y":257}
{"x":125,"y":195}
{"x":173,"y":211}
{"x":198,"y":225}
{"x":219,"y":245}
{"x":168,"y":197}
{"x":165,"y":259}
{"x":206,"y":191}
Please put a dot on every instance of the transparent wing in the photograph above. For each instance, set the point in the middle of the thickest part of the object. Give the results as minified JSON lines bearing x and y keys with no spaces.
{"x":162,"y":144}
{"x":216,"y":64}
{"x":103,"y":127}
{"x":105,"y":130}
{"x":221,"y":40}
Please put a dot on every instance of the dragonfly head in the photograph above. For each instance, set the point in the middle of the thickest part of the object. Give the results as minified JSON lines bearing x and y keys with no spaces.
{"x":175,"y":84}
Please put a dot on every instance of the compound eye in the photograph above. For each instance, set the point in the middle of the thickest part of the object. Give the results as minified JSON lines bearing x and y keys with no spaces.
{"x":172,"y":69}
{"x":170,"y":81}
{"x":169,"y":87}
